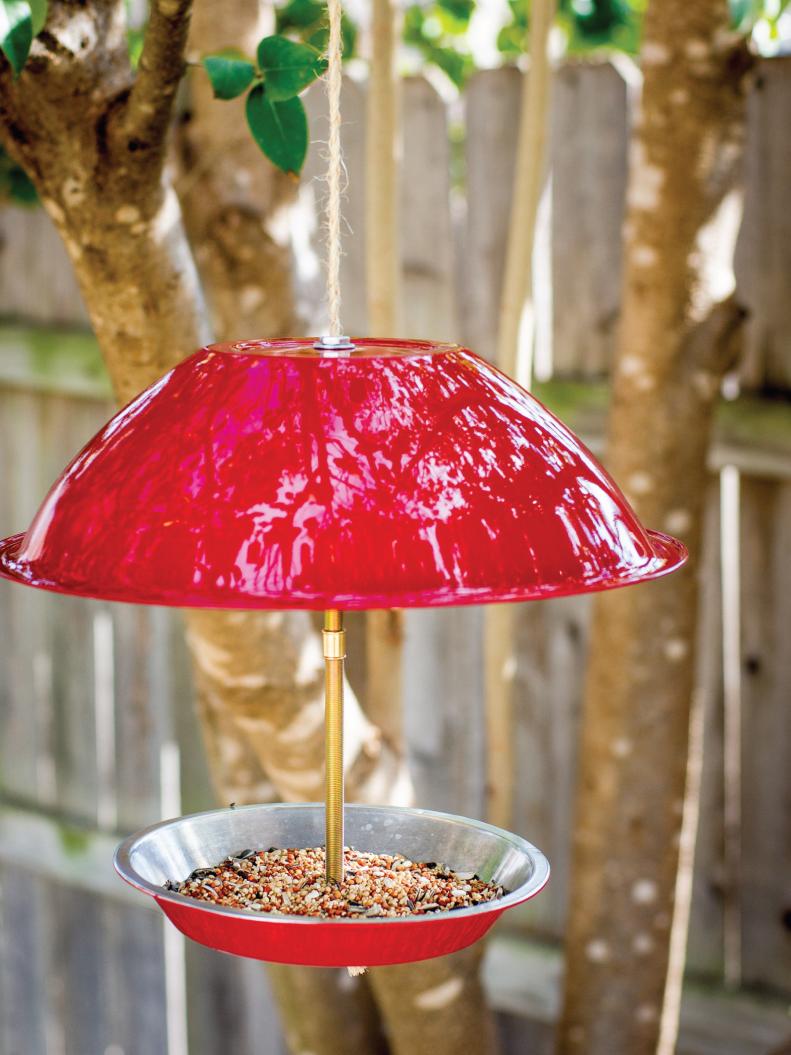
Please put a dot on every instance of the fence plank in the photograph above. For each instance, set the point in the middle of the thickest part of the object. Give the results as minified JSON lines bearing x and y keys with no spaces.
{"x":492,"y":117}
{"x":589,"y":135}
{"x":443,"y":719}
{"x":551,"y":644}
{"x":36,"y":277}
{"x":763,"y":259}
{"x":132,"y":960}
{"x":443,"y":691}
{"x":766,"y":734}
{"x":105,"y":974}
{"x":705,"y":939}
{"x":142,"y":706}
{"x":524,"y":979}
{"x":229,"y":1006}
{"x":25,"y":744}
{"x":23,"y":977}
{"x":427,"y":260}
{"x":589,"y":162}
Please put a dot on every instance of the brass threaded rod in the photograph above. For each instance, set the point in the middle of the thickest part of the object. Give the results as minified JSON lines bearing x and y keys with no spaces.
{"x":334,"y":639}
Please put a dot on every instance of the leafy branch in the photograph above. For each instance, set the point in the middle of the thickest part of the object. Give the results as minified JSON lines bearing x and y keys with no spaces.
{"x":20,"y":22}
{"x":275,"y":114}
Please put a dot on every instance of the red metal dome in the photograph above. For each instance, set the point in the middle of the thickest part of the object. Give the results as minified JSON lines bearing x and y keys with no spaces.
{"x":263,"y":474}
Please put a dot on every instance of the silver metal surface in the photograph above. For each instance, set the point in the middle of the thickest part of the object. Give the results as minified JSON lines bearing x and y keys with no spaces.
{"x":173,"y":849}
{"x":334,"y":345}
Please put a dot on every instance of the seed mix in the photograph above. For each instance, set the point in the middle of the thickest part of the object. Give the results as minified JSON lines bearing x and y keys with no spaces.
{"x":293,"y":882}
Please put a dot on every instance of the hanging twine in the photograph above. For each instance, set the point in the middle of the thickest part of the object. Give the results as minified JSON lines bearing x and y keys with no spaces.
{"x":334,"y":174}
{"x":334,"y":168}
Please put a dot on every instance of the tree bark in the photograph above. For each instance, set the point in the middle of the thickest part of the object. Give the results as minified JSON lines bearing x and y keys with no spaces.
{"x":436,"y":1006}
{"x":325,"y":1010}
{"x":66,"y":121}
{"x":676,"y":340}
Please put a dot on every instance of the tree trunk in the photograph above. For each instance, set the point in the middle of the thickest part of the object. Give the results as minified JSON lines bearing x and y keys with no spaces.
{"x":676,"y":341}
{"x":436,"y":1006}
{"x":325,"y":1010}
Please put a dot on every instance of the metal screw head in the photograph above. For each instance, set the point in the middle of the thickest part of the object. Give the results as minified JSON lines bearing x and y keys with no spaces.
{"x":334,"y":345}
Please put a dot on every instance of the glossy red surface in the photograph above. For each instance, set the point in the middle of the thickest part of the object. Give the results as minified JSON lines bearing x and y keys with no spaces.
{"x":329,"y":944}
{"x":262,"y":474}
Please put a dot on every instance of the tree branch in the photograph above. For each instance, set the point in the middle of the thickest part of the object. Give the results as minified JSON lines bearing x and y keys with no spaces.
{"x":716,"y":343}
{"x":158,"y":75}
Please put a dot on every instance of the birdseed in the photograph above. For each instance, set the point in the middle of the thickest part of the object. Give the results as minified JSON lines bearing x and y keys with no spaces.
{"x":293,"y":882}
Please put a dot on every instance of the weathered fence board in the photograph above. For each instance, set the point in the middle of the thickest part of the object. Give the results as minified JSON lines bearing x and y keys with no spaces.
{"x":443,"y":720}
{"x":36,"y":277}
{"x":588,"y":163}
{"x":492,"y":117}
{"x":140,"y":708}
{"x":551,"y":647}
{"x":428,"y":306}
{"x":230,"y":1006}
{"x":525,"y":980}
{"x":705,"y":945}
{"x":765,"y":870}
{"x":763,"y":259}
{"x":24,"y":1003}
{"x":590,"y":117}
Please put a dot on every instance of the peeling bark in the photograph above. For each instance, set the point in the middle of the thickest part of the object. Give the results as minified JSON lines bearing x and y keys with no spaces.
{"x":326,"y":1012}
{"x":435,"y":1006}
{"x":63,"y":120}
{"x":677,"y":338}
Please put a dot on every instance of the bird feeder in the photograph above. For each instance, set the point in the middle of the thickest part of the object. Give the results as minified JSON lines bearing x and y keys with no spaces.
{"x":335,"y":476}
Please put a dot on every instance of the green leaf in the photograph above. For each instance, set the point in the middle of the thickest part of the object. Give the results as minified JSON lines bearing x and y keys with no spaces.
{"x":15,"y":186}
{"x":20,"y":188}
{"x":307,"y":19}
{"x":300,"y":14}
{"x":319,"y":37}
{"x":134,"y":45}
{"x":279,"y":127}
{"x":288,"y":67}
{"x":38,"y":11}
{"x":16,"y":32}
{"x":229,"y":77}
{"x":461,"y":10}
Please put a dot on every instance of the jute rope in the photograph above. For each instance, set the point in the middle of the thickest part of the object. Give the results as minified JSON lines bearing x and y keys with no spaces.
{"x":334,"y":168}
{"x":334,"y":175}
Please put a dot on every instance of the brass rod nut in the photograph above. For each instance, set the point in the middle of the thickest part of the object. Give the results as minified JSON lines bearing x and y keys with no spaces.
{"x":334,"y":644}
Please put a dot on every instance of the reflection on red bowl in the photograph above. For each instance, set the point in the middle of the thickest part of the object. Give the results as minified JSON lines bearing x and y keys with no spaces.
{"x":263,"y":475}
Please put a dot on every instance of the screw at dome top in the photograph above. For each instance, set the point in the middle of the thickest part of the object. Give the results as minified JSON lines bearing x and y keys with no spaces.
{"x":334,"y":344}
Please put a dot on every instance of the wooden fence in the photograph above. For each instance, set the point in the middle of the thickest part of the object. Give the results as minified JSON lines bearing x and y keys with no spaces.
{"x":97,"y":735}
